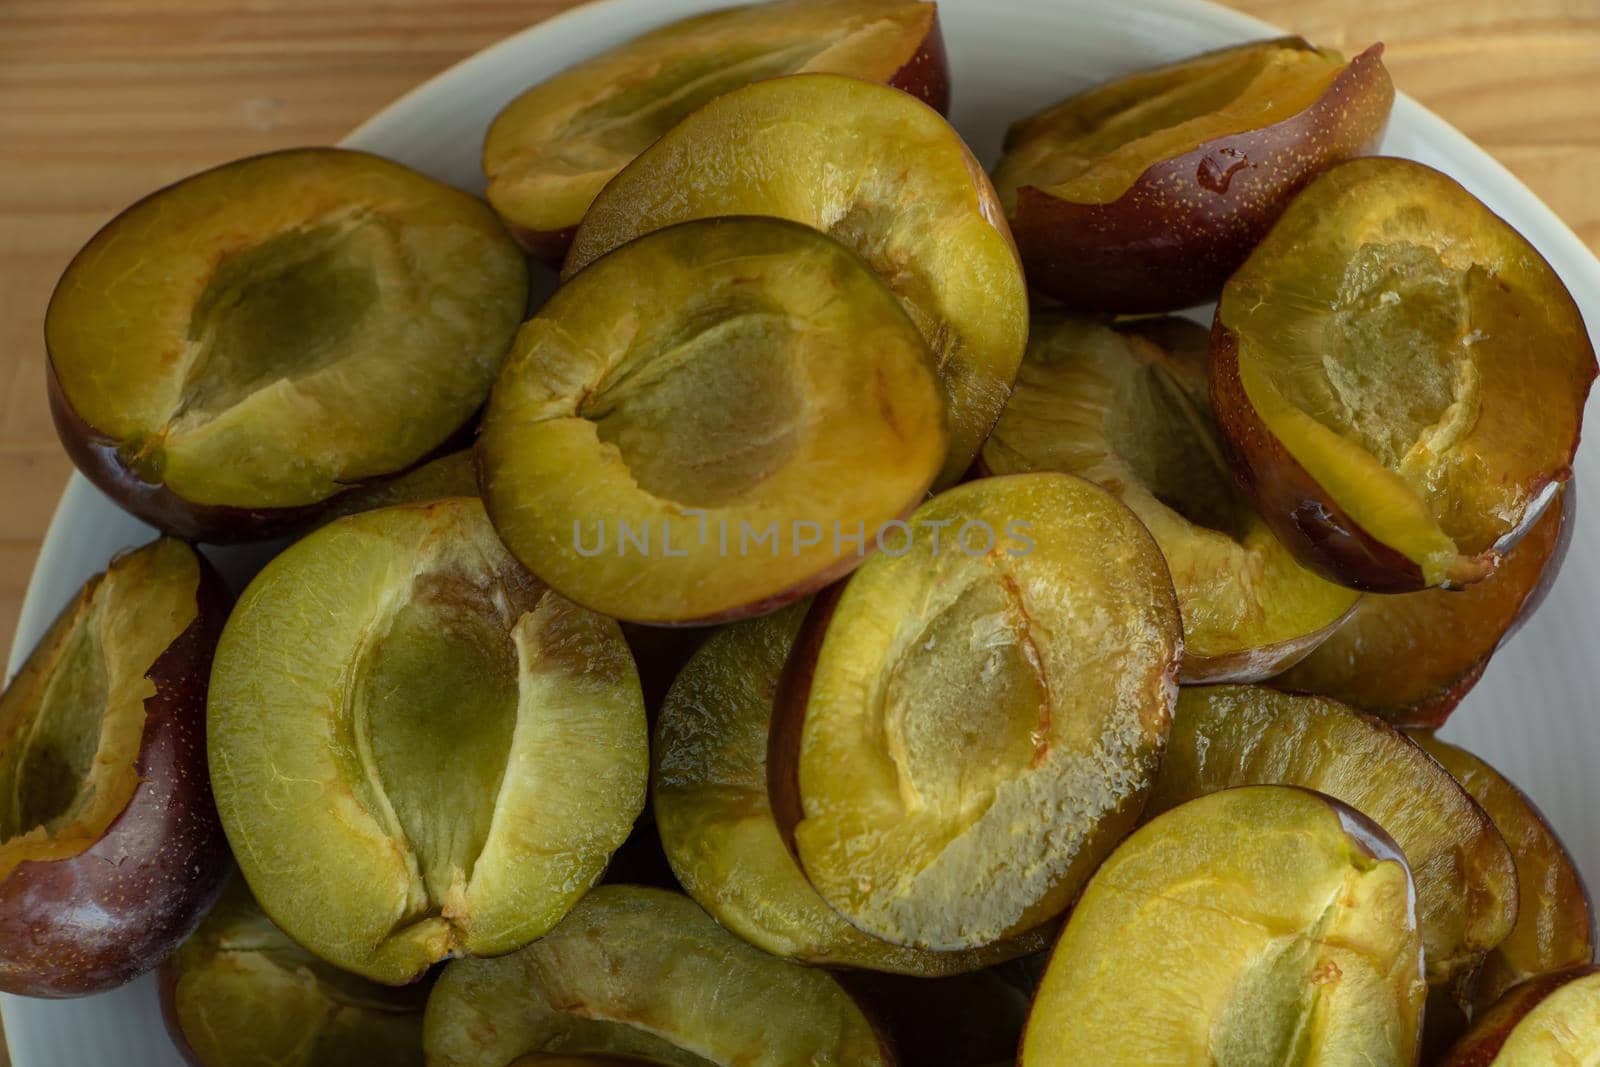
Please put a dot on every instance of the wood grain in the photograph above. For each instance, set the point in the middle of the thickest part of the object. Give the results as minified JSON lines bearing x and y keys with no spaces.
{"x":103,"y":100}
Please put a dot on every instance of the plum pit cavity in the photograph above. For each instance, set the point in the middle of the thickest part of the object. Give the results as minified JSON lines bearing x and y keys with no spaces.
{"x":284,"y":308}
{"x":45,"y":770}
{"x":711,"y":412}
{"x":435,"y":757}
{"x":1396,"y":352}
{"x":967,"y":703}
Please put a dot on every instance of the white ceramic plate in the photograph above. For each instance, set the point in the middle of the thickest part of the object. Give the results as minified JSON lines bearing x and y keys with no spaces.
{"x":1530,"y":714}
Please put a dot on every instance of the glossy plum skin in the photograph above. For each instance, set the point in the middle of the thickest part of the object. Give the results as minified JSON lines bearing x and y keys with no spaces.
{"x":1172,"y":239}
{"x":96,"y":920}
{"x":789,"y":715}
{"x":926,"y":75}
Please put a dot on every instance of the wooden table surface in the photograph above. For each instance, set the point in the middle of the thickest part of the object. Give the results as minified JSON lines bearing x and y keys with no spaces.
{"x":102,"y":101}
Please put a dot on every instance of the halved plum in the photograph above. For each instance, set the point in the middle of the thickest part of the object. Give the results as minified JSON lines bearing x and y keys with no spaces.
{"x":1466,"y":879}
{"x":1410,"y":658}
{"x":1144,"y":194}
{"x":233,"y":351}
{"x":1546,"y":1021}
{"x":418,"y":750}
{"x":709,"y":791}
{"x":1127,"y":409}
{"x":644,"y":974}
{"x":1555,"y":920}
{"x":241,"y":992}
{"x":695,"y":427}
{"x":1256,"y":925}
{"x":110,"y":849}
{"x":554,"y":147}
{"x":1400,"y":378}
{"x":874,"y":168}
{"x":970,"y":724}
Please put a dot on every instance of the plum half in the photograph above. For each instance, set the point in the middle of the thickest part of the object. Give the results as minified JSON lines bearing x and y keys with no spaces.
{"x":643,"y":974}
{"x":418,"y":750}
{"x":233,"y":351}
{"x":241,"y":992}
{"x":694,"y":426}
{"x":1400,"y":378}
{"x":1555,"y":920}
{"x":1128,"y":409}
{"x":709,"y":792}
{"x":874,"y":168}
{"x":1260,"y":925}
{"x":110,"y":848}
{"x":555,"y":146}
{"x":1550,"y":1021}
{"x":1145,"y":193}
{"x":1410,"y":658}
{"x":971,"y":723}
{"x":1466,"y":879}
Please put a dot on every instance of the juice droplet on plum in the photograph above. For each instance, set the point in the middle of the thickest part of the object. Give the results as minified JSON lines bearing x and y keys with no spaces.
{"x":1218,"y":168}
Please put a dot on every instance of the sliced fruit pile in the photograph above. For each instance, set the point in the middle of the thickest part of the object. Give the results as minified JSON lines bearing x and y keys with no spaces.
{"x":766,"y":652}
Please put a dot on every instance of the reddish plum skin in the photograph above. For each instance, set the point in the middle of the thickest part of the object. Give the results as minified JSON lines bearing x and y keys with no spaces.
{"x":96,"y":920}
{"x":1187,"y":223}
